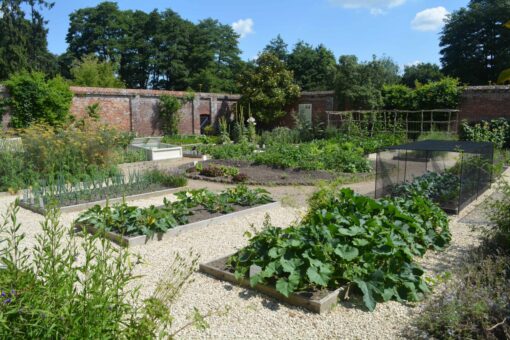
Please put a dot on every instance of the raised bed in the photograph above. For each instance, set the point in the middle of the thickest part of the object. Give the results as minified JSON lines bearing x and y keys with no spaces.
{"x":316,"y":301}
{"x":265,"y":175}
{"x":36,"y":206}
{"x":143,"y":239}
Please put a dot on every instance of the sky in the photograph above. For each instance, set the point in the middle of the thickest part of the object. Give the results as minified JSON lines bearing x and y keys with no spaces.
{"x":405,"y":30}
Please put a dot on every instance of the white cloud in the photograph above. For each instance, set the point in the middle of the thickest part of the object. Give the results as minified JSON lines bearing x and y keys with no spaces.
{"x":376,"y":7}
{"x":243,"y":27}
{"x":431,"y":19}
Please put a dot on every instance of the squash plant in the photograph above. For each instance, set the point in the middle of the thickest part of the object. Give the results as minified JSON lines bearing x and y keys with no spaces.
{"x":348,"y":239}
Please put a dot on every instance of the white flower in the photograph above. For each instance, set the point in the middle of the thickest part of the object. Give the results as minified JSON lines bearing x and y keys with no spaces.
{"x":251,"y":120}
{"x":189,"y":195}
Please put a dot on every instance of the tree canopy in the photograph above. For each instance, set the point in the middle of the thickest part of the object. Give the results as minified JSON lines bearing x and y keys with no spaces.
{"x":157,"y":49}
{"x":268,"y":88}
{"x":94,"y":73}
{"x":23,"y":43}
{"x":475,"y":43}
{"x":421,"y":73}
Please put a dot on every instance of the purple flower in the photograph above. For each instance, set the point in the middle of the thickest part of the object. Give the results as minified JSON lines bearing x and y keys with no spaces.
{"x":3,"y":294}
{"x":7,"y":301}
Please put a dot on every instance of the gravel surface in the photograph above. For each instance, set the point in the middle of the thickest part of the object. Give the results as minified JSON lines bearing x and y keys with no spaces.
{"x":252,"y":315}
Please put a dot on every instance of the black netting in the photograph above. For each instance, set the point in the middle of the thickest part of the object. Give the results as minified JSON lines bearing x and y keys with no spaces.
{"x":452,"y":173}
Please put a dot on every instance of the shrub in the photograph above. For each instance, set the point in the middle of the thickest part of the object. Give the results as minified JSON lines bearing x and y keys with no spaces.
{"x":398,"y":97}
{"x":80,"y":288}
{"x":280,"y":135}
{"x":169,"y":107}
{"x":473,"y":305}
{"x":35,"y":99}
{"x":166,"y":179}
{"x":496,"y":131}
{"x":348,"y":239}
{"x":442,"y":94}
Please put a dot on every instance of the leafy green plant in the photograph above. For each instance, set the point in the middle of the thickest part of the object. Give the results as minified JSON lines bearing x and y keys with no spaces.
{"x":70,"y":287}
{"x":224,"y":131}
{"x":129,"y":220}
{"x":496,"y":131}
{"x":438,"y":187}
{"x":348,"y":239}
{"x":32,"y":98}
{"x":169,"y":107}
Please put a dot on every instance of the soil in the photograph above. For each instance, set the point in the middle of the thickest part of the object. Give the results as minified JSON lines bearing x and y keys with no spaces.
{"x":266,"y":175}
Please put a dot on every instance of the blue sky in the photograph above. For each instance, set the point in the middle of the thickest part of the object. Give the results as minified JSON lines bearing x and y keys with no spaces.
{"x":405,"y":30}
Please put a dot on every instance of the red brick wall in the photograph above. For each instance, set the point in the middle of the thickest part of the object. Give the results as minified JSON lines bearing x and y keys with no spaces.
{"x":137,"y":110}
{"x":485,"y":103}
{"x":321,"y":101}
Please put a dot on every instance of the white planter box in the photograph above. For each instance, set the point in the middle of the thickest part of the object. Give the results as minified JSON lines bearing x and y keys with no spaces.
{"x":159,"y":151}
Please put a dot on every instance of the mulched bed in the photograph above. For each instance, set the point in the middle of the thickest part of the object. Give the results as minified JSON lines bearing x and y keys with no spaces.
{"x":266,"y":175}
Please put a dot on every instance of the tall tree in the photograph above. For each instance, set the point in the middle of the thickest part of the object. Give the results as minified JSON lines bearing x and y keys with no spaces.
{"x":97,"y":30}
{"x":475,"y":44}
{"x":94,"y":73}
{"x":268,"y":88}
{"x":278,"y":47}
{"x":422,"y":73}
{"x":214,"y":57}
{"x":23,"y":37}
{"x":359,"y":85}
{"x":314,"y":68}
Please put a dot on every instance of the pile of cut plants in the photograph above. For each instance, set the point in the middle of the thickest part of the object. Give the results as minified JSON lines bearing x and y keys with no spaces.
{"x":348,"y":240}
{"x":61,"y":192}
{"x":191,"y":206}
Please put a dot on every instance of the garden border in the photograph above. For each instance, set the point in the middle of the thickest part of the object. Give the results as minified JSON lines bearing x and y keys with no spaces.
{"x":87,"y":205}
{"x":143,"y":239}
{"x":320,"y":306}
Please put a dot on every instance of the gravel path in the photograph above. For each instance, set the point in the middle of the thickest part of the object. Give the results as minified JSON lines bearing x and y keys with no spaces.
{"x":252,"y":315}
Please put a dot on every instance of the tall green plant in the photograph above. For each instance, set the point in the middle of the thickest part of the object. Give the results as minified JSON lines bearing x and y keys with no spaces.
{"x":70,"y":287}
{"x":33,"y":98}
{"x":169,"y":107}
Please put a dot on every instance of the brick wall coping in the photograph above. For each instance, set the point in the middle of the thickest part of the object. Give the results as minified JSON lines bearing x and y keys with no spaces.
{"x":78,"y":90}
{"x":488,"y":88}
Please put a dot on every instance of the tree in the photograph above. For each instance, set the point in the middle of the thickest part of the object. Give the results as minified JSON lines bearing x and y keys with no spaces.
{"x":94,"y":73}
{"x":268,"y":88}
{"x":358,"y":85}
{"x":422,"y":73}
{"x":278,"y":47}
{"x":97,"y":30}
{"x":314,"y":68}
{"x":23,"y":44}
{"x":214,"y":57}
{"x":475,"y":46}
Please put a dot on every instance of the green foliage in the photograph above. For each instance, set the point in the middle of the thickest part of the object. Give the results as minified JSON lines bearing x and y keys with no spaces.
{"x":218,"y":171}
{"x":358,"y":85}
{"x":280,"y":135}
{"x":169,"y":107}
{"x":268,"y":88}
{"x":475,"y":44}
{"x":472,"y":305}
{"x":347,"y":239}
{"x":398,"y":96}
{"x":443,"y":94}
{"x":421,"y":73}
{"x":159,"y":49}
{"x":316,"y":155}
{"x":314,"y":68}
{"x":441,"y":188}
{"x":498,"y":211}
{"x":496,"y":131}
{"x":35,"y":99}
{"x":89,"y":71}
{"x":437,"y":135}
{"x":84,"y":287}
{"x":224,"y":131}
{"x":228,"y":151}
{"x":130,"y":220}
{"x":23,"y":44}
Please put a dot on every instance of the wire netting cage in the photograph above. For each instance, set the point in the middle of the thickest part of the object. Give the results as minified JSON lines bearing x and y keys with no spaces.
{"x":451,"y":173}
